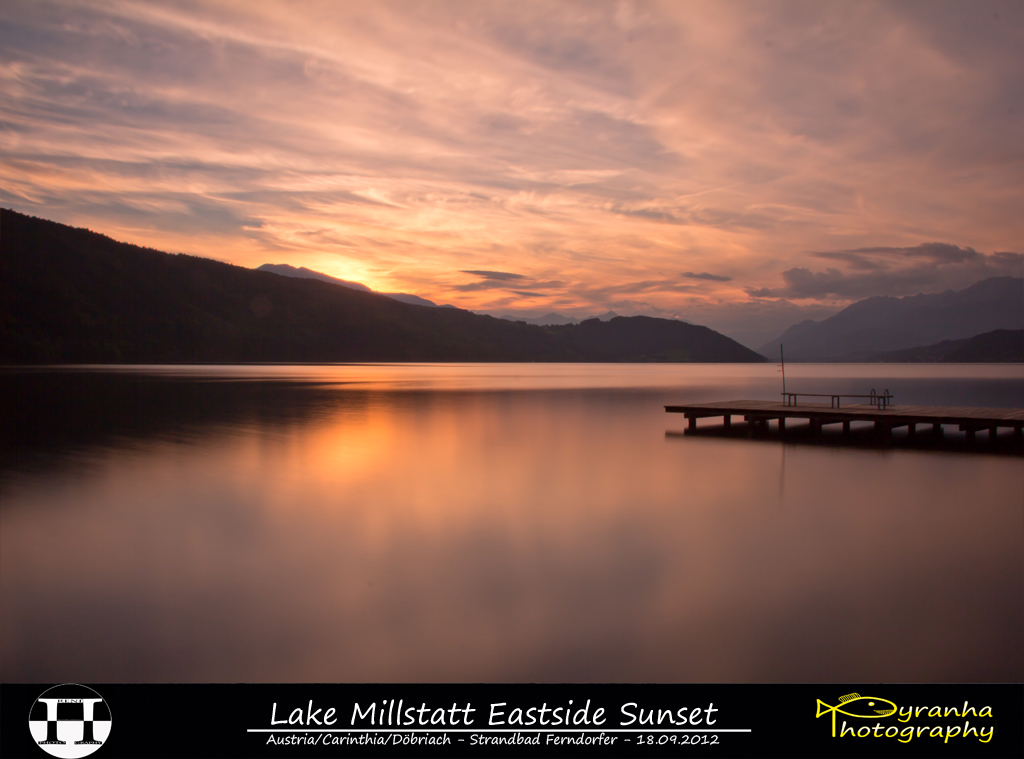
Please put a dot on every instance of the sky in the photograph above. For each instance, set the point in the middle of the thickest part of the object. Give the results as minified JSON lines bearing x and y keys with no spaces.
{"x":744,"y":165}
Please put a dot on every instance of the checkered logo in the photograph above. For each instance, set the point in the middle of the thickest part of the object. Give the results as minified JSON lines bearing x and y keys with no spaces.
{"x":69,"y":721}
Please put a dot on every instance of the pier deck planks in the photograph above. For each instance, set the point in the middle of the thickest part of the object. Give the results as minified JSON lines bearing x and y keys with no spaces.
{"x":969,"y":418}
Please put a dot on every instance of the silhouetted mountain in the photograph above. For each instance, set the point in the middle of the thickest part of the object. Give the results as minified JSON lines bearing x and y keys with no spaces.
{"x":413,"y":299}
{"x":303,"y":273}
{"x":998,"y":346}
{"x":552,"y":319}
{"x":545,"y":320}
{"x":69,"y":295}
{"x":644,"y":338}
{"x":884,"y":324}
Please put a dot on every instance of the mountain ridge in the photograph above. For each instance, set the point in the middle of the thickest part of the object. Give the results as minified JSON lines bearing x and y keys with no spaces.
{"x":997,"y":346}
{"x":301,"y":272}
{"x":71,"y":295}
{"x":882,"y":324}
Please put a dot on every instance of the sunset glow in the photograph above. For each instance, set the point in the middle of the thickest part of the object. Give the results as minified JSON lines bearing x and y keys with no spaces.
{"x":742,"y":165}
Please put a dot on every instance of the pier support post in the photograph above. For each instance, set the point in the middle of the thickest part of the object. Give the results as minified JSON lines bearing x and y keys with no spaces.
{"x":1003,"y":427}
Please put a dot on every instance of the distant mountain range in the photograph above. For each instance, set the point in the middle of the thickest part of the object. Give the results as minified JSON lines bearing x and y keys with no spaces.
{"x":553,"y":318}
{"x":70,"y":295}
{"x":880,"y":325}
{"x":303,"y":273}
{"x":1000,"y":345}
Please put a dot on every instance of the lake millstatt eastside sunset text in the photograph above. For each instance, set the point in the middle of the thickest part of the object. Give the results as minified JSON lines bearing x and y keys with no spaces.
{"x":396,"y":713}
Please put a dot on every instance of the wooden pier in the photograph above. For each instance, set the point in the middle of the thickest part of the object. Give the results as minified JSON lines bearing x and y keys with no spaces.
{"x":760,"y":413}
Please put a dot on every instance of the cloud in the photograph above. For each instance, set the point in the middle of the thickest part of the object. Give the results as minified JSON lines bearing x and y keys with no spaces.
{"x":701,"y":216}
{"x":473,"y":287}
{"x":499,"y":281}
{"x":928,"y":267}
{"x":595,"y":145}
{"x":873,"y":258}
{"x":501,"y":275}
{"x":709,"y":277}
{"x":602,"y":294}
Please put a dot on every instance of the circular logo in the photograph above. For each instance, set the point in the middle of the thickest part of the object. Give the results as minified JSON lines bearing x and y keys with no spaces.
{"x":69,"y":721}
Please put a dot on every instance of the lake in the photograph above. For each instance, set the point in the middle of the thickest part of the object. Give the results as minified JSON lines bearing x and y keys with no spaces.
{"x":494,"y":523}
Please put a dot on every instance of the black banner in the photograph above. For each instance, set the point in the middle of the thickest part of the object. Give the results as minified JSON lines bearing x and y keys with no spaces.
{"x":605,"y":720}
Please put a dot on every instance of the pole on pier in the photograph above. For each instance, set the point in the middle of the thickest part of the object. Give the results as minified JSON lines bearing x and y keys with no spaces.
{"x":727,"y":421}
{"x":692,"y":426}
{"x":846,"y":427}
{"x":782,"y":355}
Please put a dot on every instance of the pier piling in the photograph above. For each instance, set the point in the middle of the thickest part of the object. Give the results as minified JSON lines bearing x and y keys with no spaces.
{"x":758,"y":414}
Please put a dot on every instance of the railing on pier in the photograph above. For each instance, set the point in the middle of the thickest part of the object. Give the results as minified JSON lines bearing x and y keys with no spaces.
{"x":881,"y":401}
{"x":757,"y":414}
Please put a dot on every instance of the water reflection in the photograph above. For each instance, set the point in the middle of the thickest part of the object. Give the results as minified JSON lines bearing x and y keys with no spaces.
{"x":330,"y":524}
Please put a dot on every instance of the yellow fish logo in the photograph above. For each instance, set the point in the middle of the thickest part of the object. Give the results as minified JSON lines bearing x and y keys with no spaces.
{"x":856,"y":705}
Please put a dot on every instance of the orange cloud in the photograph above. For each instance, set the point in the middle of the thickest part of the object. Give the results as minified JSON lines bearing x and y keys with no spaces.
{"x":608,"y":147}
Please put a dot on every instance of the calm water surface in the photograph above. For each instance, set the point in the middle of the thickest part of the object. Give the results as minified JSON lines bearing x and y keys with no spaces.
{"x":494,"y":523}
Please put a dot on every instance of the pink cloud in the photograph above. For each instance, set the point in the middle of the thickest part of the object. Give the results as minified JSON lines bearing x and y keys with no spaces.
{"x":606,"y":146}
